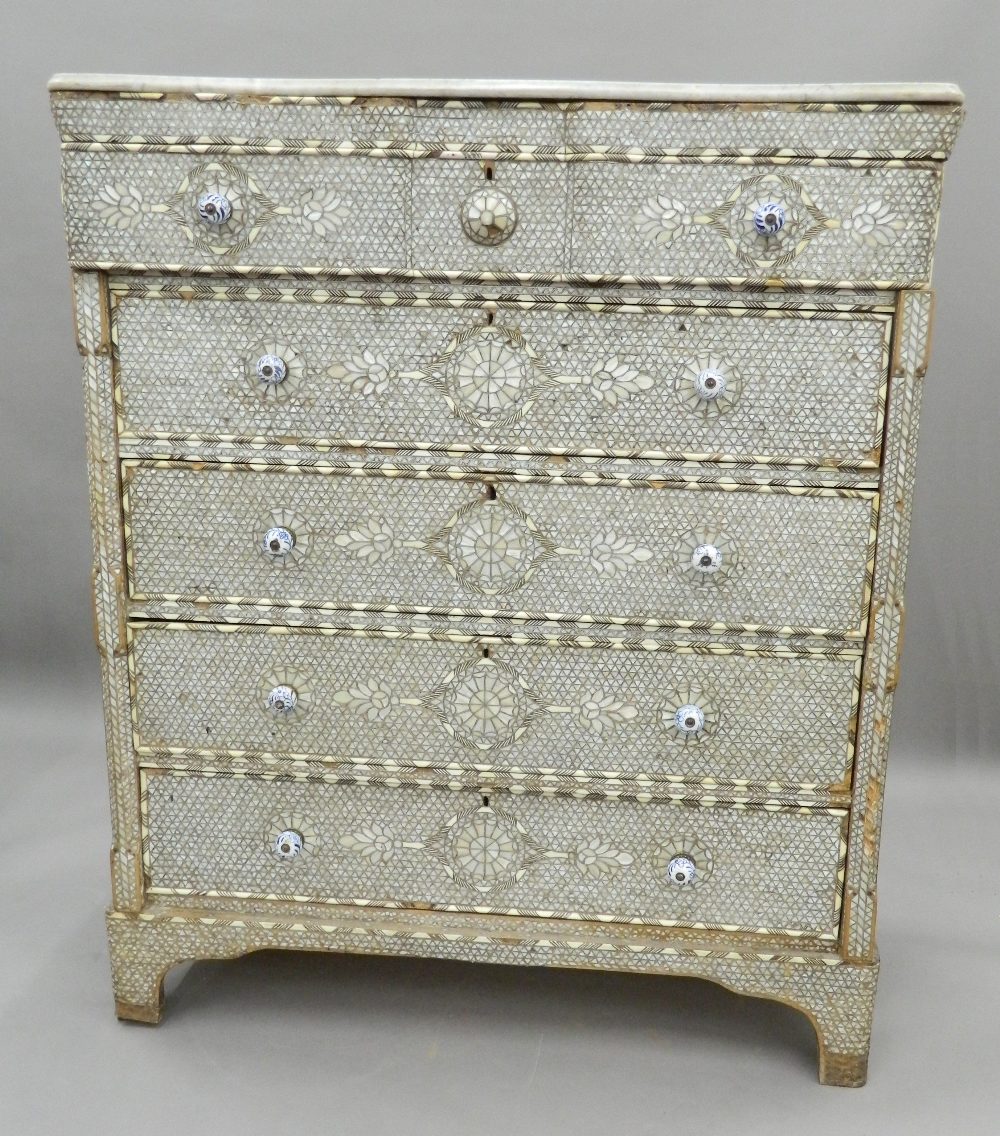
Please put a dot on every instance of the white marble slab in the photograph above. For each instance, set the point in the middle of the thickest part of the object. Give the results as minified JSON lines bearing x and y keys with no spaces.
{"x":520,"y":89}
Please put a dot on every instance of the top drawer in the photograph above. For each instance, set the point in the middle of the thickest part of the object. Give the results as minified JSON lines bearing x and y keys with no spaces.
{"x":675,"y":220}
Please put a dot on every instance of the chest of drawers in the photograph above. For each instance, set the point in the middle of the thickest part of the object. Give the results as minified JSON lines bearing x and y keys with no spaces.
{"x":500,"y":499}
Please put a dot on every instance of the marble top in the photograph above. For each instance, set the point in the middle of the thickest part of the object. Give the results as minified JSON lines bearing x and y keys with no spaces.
{"x":519,"y":89}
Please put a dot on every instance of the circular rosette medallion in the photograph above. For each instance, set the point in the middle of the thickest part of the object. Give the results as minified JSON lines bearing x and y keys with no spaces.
{"x":491,"y":547}
{"x":484,"y":704}
{"x":749,"y":219}
{"x":491,"y":376}
{"x":250,"y":208}
{"x":485,"y":849}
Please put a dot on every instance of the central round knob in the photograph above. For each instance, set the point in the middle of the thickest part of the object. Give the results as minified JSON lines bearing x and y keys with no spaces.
{"x":278,"y":541}
{"x":489,"y":216}
{"x":689,"y":719}
{"x":710,"y":384}
{"x":282,"y":699}
{"x":214,"y":208}
{"x":271,"y":369}
{"x":706,"y":558}
{"x":288,"y":844}
{"x":681,"y":871}
{"x":769,"y":218}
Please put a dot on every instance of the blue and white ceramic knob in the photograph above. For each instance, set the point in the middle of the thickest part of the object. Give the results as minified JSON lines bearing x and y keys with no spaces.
{"x":278,"y":541}
{"x":288,"y":844}
{"x":282,"y":699}
{"x":272,"y":369}
{"x":681,"y":871}
{"x":769,"y":218}
{"x":689,"y":719}
{"x":214,"y":208}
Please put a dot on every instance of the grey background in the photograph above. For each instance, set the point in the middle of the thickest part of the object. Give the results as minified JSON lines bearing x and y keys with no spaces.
{"x":386,"y":1046}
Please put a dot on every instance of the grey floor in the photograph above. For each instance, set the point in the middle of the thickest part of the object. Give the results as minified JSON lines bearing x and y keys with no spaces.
{"x":289,"y":1043}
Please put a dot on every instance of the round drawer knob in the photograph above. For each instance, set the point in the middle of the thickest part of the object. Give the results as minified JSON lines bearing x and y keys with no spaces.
{"x":769,"y":218}
{"x":272,"y":369}
{"x":681,"y":871}
{"x":689,"y":719}
{"x":706,"y":558}
{"x":278,"y":541}
{"x":489,"y":216}
{"x":710,"y":384}
{"x":282,"y":699}
{"x":214,"y":208}
{"x":288,"y":844}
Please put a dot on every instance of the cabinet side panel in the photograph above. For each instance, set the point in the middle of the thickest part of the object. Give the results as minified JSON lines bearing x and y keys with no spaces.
{"x":93,"y":339}
{"x":884,"y":643}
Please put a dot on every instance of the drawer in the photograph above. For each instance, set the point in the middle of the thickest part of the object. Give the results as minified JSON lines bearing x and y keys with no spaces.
{"x":494,"y":704}
{"x":596,"y":858}
{"x":794,"y":386}
{"x":677,"y":219}
{"x":769,"y":558}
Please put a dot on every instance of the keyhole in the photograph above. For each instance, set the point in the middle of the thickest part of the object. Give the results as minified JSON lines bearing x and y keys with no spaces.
{"x":486,"y":802}
{"x":491,"y":492}
{"x":488,"y":169}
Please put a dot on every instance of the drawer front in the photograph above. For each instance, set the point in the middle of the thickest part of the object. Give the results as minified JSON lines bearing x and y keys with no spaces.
{"x":789,"y":386}
{"x":525,"y":854}
{"x":337,"y":214}
{"x":677,"y":219}
{"x":771,"y":558}
{"x":496,"y":704}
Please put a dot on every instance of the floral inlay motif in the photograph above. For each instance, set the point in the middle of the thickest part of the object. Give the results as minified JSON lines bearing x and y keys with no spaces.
{"x":241,"y":209}
{"x":369,"y":375}
{"x":371,"y":541}
{"x":610,"y":554}
{"x":663,"y":218}
{"x":874,"y":223}
{"x":490,"y":376}
{"x":486,"y":849}
{"x":599,"y":858}
{"x":616,"y":379}
{"x":492,"y":547}
{"x":320,"y":211}
{"x":371,"y":699}
{"x":376,"y":842}
{"x":600,"y":712}
{"x":736,"y":219}
{"x":120,"y":205}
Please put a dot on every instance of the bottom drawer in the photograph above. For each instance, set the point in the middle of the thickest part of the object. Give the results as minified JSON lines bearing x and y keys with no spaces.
{"x":341,"y":841}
